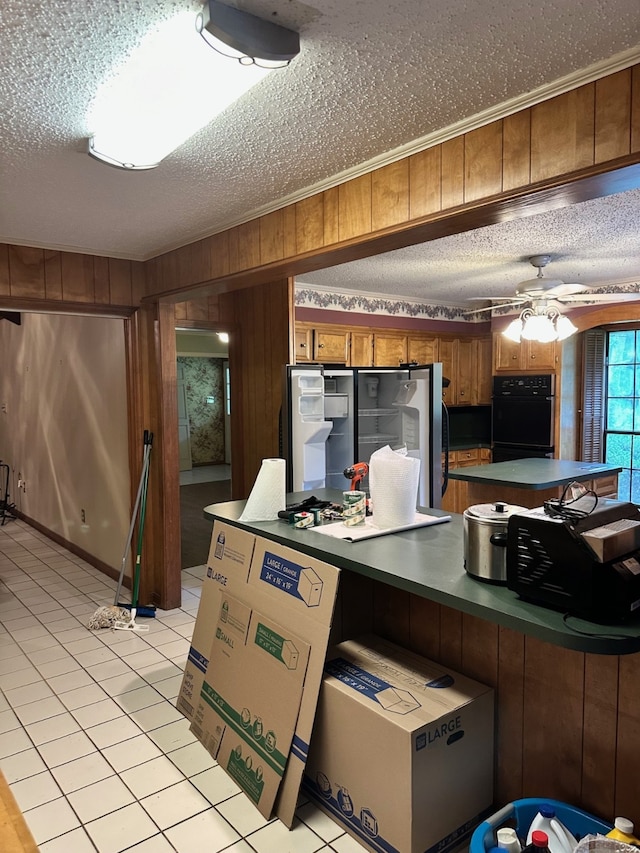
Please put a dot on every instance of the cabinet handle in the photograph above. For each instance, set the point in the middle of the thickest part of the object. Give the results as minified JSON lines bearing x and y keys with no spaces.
{"x":462,"y":393}
{"x":320,"y":346}
{"x":304,"y":346}
{"x":533,"y":355}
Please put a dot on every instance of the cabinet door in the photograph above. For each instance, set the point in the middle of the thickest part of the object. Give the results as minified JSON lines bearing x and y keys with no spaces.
{"x":331,"y":346}
{"x":361,"y":349}
{"x":539,"y":356}
{"x":508,"y":353}
{"x":485,"y":456}
{"x":448,"y":357}
{"x":485,"y":372}
{"x":422,"y":350}
{"x":389,"y":350}
{"x":467,"y":385}
{"x":304,"y":345}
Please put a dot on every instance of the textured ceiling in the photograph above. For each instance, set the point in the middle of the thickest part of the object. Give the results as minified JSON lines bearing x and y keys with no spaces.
{"x":372,"y":76}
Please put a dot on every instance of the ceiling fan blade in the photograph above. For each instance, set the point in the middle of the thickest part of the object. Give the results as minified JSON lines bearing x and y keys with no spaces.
{"x":505,"y":299}
{"x":565,"y":289}
{"x":586,"y":298}
{"x":487,"y":308}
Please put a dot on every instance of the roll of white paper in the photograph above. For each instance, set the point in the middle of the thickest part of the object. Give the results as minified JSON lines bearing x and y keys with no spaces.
{"x":393,"y":482}
{"x":268,"y":495}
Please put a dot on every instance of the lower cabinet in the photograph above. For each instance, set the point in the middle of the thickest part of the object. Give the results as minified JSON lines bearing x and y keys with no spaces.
{"x":455,"y":498}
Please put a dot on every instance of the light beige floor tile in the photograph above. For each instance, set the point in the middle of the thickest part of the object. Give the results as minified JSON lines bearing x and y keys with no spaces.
{"x":50,"y":820}
{"x":208,"y":830}
{"x":122,"y":829}
{"x":100,"y":798}
{"x":175,"y":804}
{"x":152,"y":776}
{"x":82,"y":772}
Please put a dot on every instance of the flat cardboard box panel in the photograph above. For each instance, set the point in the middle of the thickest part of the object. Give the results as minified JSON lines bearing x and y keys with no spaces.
{"x":297,"y":592}
{"x":251,"y":698}
{"x":402,"y":749}
{"x":228,"y":568}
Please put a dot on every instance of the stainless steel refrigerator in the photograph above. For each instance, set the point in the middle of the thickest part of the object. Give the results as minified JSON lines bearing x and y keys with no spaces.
{"x":335,"y":417}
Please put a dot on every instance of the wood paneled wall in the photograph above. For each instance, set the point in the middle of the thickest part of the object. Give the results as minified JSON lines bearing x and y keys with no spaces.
{"x":568,"y":723}
{"x":544,"y":155}
{"x":258,"y":348}
{"x":43,"y":278}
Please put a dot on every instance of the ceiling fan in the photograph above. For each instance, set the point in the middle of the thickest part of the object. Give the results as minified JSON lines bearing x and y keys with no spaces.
{"x":547,"y":291}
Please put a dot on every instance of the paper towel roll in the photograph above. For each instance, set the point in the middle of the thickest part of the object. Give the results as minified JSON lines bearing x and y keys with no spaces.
{"x":393,"y":482}
{"x":268,"y":495}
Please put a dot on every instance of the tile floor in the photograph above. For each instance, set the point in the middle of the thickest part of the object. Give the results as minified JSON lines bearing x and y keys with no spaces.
{"x":91,"y":743}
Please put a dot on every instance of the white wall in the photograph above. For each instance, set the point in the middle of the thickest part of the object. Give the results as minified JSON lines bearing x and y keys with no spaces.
{"x":63,"y":427}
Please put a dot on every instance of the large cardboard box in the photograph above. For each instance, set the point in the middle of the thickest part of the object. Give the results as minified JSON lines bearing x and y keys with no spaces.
{"x":297,"y":594}
{"x":402,"y":750}
{"x":228,"y":568}
{"x":251,"y":698}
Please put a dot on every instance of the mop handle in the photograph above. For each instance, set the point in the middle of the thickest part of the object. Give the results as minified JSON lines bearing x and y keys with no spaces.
{"x":143,"y":473}
{"x":143,"y":509}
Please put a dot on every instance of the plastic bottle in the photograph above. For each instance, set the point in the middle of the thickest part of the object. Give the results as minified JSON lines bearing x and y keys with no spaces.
{"x":539,"y":842}
{"x":623,"y":831}
{"x":560,"y":839}
{"x":508,"y":840}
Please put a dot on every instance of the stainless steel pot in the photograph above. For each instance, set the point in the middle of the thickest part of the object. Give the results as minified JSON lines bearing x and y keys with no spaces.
{"x":485,"y":540}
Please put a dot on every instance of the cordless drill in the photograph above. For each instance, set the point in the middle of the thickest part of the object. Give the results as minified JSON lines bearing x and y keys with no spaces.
{"x":356,"y":473}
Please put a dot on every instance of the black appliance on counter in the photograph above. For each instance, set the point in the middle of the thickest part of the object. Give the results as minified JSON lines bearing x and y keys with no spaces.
{"x":522,"y":417}
{"x":587,"y":567}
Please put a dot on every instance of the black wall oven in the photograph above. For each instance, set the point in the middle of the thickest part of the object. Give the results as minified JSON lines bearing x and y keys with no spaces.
{"x":522,"y":417}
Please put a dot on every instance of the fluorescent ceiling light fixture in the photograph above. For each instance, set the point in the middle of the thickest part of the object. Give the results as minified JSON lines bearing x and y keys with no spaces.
{"x":168,"y":89}
{"x":241,"y":36}
{"x":543,"y":323}
{"x":223,"y":336}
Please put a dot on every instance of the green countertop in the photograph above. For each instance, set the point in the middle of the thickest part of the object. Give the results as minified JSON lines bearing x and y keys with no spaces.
{"x":428,"y":562}
{"x":533,"y":473}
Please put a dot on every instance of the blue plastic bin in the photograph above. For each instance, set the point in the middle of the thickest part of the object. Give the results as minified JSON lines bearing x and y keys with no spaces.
{"x":519,"y":815}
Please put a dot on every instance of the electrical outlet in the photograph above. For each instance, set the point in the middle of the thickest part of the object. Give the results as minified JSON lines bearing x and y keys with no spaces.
{"x":83,"y":516}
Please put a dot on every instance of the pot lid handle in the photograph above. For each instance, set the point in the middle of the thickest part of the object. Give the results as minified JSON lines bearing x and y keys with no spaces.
{"x":500,"y":506}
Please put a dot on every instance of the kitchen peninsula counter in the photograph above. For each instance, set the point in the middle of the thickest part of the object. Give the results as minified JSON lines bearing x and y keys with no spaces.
{"x":428,"y":562}
{"x":529,"y":482}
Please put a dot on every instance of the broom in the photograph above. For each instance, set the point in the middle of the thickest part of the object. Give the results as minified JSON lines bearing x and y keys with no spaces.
{"x":107,"y":616}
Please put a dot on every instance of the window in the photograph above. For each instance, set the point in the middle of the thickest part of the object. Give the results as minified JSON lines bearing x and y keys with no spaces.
{"x":622,"y":410}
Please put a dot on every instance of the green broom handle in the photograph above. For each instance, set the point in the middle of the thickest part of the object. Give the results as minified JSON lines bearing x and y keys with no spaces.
{"x":148,"y":438}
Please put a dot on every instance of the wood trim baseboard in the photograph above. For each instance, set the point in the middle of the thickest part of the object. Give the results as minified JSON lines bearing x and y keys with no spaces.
{"x":70,"y":546}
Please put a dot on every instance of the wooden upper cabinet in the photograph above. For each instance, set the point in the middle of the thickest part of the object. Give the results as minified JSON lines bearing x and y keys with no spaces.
{"x":389,"y":350}
{"x":485,"y":371}
{"x":331,"y":346}
{"x":422,"y":350}
{"x":467,"y":385}
{"x":361,"y":349}
{"x":449,"y":358}
{"x":526,"y":355}
{"x":304,"y":344}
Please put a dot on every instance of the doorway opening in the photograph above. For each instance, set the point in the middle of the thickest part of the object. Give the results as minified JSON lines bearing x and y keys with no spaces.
{"x":203,"y":383}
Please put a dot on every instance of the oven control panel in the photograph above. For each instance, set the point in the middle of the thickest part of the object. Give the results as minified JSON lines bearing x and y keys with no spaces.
{"x":529,"y":385}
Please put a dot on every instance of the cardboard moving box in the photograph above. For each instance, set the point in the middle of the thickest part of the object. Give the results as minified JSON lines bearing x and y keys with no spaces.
{"x":251,"y":698}
{"x":402,"y":750}
{"x":228,"y":567}
{"x":295,"y":596}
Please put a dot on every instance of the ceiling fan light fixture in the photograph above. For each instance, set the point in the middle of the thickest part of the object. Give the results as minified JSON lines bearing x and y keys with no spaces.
{"x":543,"y":324}
{"x":514,"y":331}
{"x":539,"y":327}
{"x":564,"y":327}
